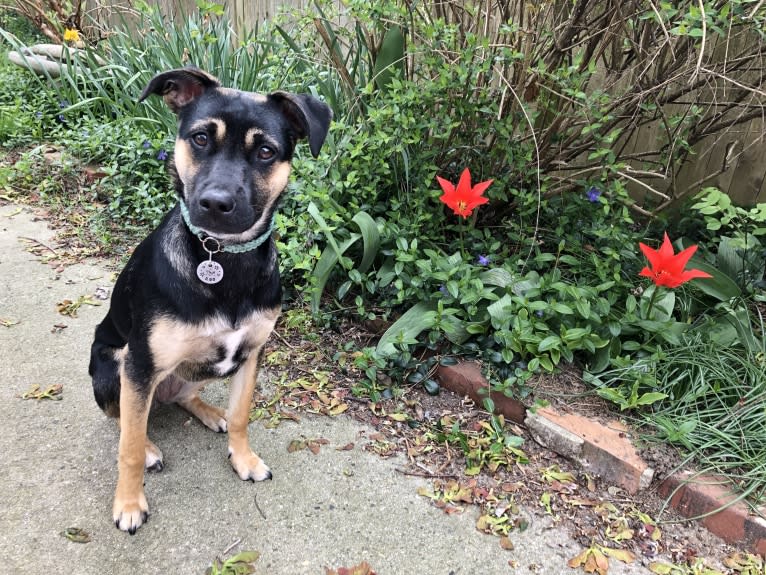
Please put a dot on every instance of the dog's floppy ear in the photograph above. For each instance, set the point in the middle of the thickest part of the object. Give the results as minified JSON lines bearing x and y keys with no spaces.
{"x":309,"y":117}
{"x":179,"y":87}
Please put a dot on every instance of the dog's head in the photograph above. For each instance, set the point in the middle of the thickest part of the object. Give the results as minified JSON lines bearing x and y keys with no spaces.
{"x":233,"y":149}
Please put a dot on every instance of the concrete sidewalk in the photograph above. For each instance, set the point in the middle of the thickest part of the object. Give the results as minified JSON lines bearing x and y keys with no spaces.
{"x":334,"y":509}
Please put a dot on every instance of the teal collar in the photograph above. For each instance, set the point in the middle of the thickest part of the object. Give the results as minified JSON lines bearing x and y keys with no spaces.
{"x":230,"y":248}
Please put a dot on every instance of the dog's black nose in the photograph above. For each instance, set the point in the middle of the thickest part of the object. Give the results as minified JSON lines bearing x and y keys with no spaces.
{"x":217,"y":202}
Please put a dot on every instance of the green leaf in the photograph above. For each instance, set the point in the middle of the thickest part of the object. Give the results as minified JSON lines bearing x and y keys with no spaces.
{"x":431,"y":386}
{"x":418,"y":318}
{"x":600,"y":360}
{"x":390,"y":57}
{"x":548,"y":343}
{"x":324,"y":266}
{"x":501,"y":311}
{"x":613,"y":395}
{"x":727,"y":258}
{"x":650,"y":398}
{"x":370,"y":238}
{"x":583,"y":308}
{"x":562,"y":308}
{"x":498,"y":277}
{"x":454,"y":329}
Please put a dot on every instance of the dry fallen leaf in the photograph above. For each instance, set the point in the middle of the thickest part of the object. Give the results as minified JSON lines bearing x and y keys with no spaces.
{"x":76,"y":535}
{"x":362,"y":569}
{"x":51,"y":392}
{"x":506,"y":543}
{"x":69,"y":307}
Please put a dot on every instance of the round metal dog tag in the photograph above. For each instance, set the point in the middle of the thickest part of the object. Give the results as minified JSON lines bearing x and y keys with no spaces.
{"x":210,"y":272}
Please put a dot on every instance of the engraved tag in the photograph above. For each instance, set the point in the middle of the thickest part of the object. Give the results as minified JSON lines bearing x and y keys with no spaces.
{"x":210,"y":272}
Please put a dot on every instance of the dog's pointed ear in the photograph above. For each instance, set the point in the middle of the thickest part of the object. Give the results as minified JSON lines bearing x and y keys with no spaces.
{"x":179,"y":87}
{"x":309,"y":117}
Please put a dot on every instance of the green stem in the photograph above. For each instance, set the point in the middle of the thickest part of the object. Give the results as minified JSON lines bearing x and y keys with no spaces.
{"x":651,"y":302}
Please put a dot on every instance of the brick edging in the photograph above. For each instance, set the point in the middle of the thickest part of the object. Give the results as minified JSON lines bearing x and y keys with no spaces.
{"x":607,"y":451}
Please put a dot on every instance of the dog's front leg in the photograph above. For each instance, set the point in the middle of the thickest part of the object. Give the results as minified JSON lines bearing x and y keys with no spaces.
{"x":246,"y":463}
{"x":130,"y":508}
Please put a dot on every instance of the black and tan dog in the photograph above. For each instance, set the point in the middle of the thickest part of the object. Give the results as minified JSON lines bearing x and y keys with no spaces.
{"x":200,"y":295}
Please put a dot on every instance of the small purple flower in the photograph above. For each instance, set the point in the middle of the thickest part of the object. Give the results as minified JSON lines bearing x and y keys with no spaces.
{"x":147,"y":144}
{"x":162,"y":155}
{"x":38,"y":115}
{"x":593,"y":194}
{"x":483,"y":260}
{"x":539,"y":313}
{"x":60,"y":118}
{"x":63,"y":104}
{"x":443,"y":289}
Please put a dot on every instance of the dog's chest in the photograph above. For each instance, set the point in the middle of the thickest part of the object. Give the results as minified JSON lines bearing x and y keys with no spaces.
{"x":232,"y":347}
{"x":212,"y":348}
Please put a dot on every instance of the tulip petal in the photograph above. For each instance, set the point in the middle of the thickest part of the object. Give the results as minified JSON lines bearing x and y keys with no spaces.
{"x":446,"y":185}
{"x":464,"y":184}
{"x":651,"y":254}
{"x":479,"y":188}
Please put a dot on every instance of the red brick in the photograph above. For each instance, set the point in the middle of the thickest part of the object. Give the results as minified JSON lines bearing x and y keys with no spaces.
{"x":707,"y":495}
{"x":466,"y":379}
{"x":607,"y":450}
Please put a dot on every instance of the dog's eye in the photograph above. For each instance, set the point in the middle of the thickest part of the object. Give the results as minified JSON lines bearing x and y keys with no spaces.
{"x":200,"y":139}
{"x":265,"y":153}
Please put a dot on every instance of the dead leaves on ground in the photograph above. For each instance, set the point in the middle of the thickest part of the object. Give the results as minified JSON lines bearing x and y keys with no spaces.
{"x":313,"y":445}
{"x":736,"y":564}
{"x":500,"y":514}
{"x":313,"y":393}
{"x":595,"y":559}
{"x":362,"y":569}
{"x":239,"y":564}
{"x":61,"y":255}
{"x":69,"y":308}
{"x":76,"y":535}
{"x":54,"y":392}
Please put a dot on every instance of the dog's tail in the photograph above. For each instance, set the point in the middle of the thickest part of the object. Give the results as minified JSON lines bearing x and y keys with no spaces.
{"x":104,"y":368}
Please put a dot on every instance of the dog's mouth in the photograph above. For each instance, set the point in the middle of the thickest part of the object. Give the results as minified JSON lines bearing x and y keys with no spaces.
{"x":233,"y":225}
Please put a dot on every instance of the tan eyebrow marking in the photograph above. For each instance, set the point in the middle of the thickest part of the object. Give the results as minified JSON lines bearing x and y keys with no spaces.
{"x":252,"y":133}
{"x":204,"y":125}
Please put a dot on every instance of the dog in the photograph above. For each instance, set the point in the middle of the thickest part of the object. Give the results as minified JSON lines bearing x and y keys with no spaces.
{"x":200,"y":295}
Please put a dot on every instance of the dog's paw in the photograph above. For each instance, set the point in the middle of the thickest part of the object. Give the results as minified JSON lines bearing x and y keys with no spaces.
{"x":129,"y":515}
{"x":153,"y":457}
{"x":249,"y":466}
{"x":211,"y":416}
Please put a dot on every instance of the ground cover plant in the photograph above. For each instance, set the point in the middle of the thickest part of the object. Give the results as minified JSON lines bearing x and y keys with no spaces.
{"x":537,"y":269}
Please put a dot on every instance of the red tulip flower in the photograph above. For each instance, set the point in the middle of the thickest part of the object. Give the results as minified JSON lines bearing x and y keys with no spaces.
{"x":463,"y":198}
{"x":667,"y":268}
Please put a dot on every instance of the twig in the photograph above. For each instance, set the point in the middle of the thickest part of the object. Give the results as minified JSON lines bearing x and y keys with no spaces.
{"x":283,"y":340}
{"x":644,"y":185}
{"x":258,"y":507}
{"x":230,"y":547}
{"x":755,"y":9}
{"x":428,"y":475}
{"x":531,"y":124}
{"x":728,"y":79}
{"x":38,"y":242}
{"x":702,"y":44}
{"x":664,"y":30}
